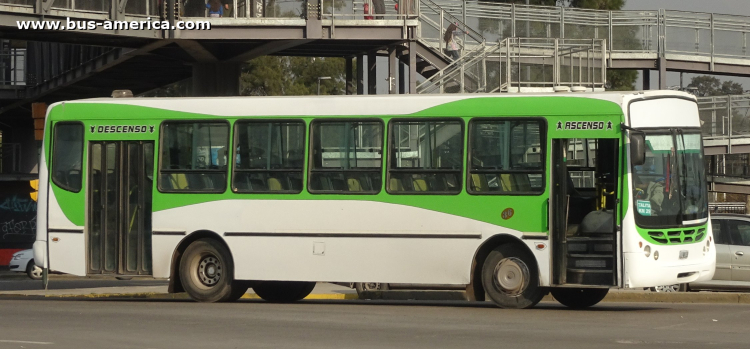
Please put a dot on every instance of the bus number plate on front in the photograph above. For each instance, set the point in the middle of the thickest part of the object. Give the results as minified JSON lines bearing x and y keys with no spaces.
{"x":683,"y":254}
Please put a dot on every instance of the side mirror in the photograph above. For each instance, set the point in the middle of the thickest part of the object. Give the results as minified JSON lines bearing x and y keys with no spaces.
{"x":637,"y":149}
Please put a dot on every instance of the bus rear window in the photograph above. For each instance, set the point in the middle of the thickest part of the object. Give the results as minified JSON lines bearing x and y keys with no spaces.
{"x":67,"y":156}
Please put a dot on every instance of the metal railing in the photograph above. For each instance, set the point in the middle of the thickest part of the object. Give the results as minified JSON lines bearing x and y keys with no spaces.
{"x":725,"y":117}
{"x":698,"y":36}
{"x":524,"y":64}
{"x":434,"y":21}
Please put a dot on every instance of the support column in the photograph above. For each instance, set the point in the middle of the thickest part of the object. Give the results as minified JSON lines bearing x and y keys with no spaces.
{"x":361,"y":74}
{"x":662,"y":73}
{"x":216,"y":79}
{"x":349,"y":82}
{"x":412,"y":67}
{"x":392,"y":62}
{"x":646,"y":75}
{"x":372,"y":82}
{"x":401,"y":77}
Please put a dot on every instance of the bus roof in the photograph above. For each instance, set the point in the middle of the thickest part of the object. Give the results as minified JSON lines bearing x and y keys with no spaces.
{"x":348,"y":105}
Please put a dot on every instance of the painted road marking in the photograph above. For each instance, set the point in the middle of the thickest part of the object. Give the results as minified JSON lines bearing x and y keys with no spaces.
{"x":24,"y":342}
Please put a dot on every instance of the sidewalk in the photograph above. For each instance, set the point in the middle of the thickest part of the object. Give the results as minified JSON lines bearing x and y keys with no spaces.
{"x":326,"y":291}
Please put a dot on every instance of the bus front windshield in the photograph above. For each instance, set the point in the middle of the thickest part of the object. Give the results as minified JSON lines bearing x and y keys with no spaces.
{"x":670,"y":188}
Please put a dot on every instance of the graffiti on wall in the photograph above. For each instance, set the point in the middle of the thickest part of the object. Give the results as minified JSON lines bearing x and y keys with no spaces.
{"x":17,"y":214}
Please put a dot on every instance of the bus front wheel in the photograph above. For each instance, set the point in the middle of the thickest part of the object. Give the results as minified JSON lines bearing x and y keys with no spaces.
{"x":207,"y":273}
{"x":579,"y":297}
{"x":283,"y":291}
{"x":510,"y":277}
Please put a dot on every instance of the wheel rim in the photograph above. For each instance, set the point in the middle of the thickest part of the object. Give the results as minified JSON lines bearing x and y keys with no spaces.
{"x":511,"y":276}
{"x":209,"y":270}
{"x":667,"y":288}
{"x":36,"y":272}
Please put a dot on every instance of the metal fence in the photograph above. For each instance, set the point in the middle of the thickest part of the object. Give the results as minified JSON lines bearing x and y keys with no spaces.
{"x":524,"y":64}
{"x":639,"y":34}
{"x":725,"y":117}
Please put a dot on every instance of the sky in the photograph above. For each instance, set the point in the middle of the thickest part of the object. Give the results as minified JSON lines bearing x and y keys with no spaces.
{"x":736,"y":7}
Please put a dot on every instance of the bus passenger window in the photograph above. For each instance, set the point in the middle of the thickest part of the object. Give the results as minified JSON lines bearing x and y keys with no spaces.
{"x":506,"y":156}
{"x":67,"y":155}
{"x":346,"y":157}
{"x":194,"y":156}
{"x":269,"y":157}
{"x":426,"y":157}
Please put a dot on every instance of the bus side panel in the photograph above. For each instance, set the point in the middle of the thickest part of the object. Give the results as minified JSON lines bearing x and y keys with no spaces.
{"x":67,"y":245}
{"x":335,"y":240}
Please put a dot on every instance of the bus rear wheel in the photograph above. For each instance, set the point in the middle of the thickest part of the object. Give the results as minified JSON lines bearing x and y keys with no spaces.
{"x":510,"y":277}
{"x":207,"y":273}
{"x":283,"y":291}
{"x":579,"y":298}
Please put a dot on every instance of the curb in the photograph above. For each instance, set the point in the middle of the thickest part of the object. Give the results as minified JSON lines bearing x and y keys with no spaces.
{"x":621,"y":297}
{"x":155,"y":295}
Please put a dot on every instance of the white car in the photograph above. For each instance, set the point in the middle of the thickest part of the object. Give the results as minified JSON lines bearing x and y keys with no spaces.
{"x":23,"y":261}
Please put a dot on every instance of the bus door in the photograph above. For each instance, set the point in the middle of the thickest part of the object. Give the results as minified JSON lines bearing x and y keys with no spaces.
{"x":119,"y":207}
{"x":584,"y":203}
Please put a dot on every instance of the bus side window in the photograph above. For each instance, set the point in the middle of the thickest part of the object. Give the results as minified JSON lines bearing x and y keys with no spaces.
{"x":347,"y":156}
{"x":190,"y":156}
{"x":67,"y":155}
{"x":506,"y":156}
{"x":426,"y":157}
{"x":269,"y":156}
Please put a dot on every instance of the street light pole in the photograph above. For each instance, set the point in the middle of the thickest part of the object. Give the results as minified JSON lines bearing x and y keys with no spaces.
{"x":322,"y":78}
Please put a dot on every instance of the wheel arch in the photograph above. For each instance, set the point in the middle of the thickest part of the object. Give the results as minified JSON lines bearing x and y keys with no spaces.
{"x":175,"y":283}
{"x":475,"y":290}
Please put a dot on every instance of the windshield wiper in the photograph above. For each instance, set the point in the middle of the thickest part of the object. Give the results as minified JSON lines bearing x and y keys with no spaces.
{"x":682,"y":175}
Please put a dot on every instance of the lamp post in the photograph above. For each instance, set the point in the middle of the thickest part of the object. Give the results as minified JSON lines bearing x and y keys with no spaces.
{"x":322,"y":78}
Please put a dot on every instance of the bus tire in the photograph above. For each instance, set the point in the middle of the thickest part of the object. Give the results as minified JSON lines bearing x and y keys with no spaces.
{"x":579,"y":298}
{"x":207,"y":272}
{"x":510,"y":277}
{"x":283,"y":291}
{"x":363,"y":287}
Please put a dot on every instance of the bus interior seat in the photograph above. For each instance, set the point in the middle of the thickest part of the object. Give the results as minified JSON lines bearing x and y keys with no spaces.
{"x":274,"y":184}
{"x":354,"y":184}
{"x":396,"y":185}
{"x":479,"y":181}
{"x":506,"y":182}
{"x":178,"y":181}
{"x":419,"y":184}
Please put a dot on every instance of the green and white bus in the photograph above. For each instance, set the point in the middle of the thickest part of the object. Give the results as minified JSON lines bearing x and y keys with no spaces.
{"x":511,"y":196}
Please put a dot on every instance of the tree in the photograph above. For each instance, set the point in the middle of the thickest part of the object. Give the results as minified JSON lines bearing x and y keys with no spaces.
{"x":292,"y":76}
{"x":711,"y":86}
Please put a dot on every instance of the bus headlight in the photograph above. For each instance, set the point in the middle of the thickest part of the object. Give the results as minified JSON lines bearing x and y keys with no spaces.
{"x":656,"y":255}
{"x":647,"y":251}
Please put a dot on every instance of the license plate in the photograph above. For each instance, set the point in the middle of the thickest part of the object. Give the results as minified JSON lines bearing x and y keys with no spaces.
{"x":683,"y":254}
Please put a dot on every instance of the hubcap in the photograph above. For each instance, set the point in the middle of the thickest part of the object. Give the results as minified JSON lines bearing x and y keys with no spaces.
{"x":37,"y":272}
{"x":209,"y":270}
{"x":511,"y":276}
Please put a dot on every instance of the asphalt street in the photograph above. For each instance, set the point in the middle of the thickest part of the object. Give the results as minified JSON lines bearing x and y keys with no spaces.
{"x":366,"y":324}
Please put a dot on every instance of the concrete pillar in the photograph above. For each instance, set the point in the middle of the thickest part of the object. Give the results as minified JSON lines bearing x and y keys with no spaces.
{"x":349,"y":82}
{"x":646,"y":74}
{"x":412,"y":67}
{"x":372,"y":79}
{"x":216,"y":79}
{"x":361,"y":74}
{"x":392,"y":62}
{"x":662,"y":73}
